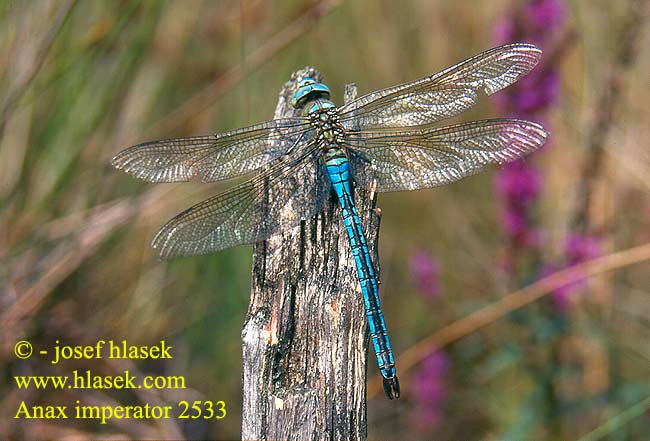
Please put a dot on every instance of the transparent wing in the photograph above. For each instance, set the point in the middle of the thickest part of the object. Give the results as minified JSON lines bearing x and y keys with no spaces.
{"x":442,"y":95}
{"x":398,"y":161}
{"x":214,"y":157}
{"x":293,"y":188}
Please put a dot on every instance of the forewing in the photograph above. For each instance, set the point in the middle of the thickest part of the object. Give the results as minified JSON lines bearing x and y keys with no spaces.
{"x":442,"y":95}
{"x":291,"y":189}
{"x":213,"y":157}
{"x":396,"y":161}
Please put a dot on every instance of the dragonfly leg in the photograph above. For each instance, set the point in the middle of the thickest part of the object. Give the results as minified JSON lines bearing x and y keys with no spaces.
{"x":293,"y":146}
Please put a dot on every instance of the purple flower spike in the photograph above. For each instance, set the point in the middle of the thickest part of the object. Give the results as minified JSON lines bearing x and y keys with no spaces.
{"x":514,"y":222}
{"x":579,"y":248}
{"x":425,"y":274}
{"x":520,"y":183}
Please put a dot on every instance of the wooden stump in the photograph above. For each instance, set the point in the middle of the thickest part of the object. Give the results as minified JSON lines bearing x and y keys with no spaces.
{"x":305,"y":336}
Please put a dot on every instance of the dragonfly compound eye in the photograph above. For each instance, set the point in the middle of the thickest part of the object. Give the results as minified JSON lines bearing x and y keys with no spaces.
{"x":307,"y":81}
{"x":309,"y":90}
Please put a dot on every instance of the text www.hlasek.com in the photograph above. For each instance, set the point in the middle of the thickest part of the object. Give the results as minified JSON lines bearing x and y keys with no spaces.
{"x":87,"y":380}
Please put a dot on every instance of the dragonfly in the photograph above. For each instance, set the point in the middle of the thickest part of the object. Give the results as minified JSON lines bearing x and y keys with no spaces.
{"x":384,"y":141}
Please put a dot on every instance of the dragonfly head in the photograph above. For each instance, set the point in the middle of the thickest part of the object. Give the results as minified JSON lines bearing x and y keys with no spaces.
{"x":308,"y":90}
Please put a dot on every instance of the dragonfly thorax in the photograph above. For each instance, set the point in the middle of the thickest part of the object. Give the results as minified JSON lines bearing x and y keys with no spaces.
{"x":328,"y":130}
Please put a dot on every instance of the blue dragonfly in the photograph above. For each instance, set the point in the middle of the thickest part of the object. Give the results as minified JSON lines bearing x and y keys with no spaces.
{"x":383,"y":141}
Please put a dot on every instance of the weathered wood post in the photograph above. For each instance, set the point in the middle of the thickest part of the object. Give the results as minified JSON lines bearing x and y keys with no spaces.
{"x":304,"y":340}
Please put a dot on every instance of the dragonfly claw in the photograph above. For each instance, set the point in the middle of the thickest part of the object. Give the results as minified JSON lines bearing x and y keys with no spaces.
{"x":391,"y":387}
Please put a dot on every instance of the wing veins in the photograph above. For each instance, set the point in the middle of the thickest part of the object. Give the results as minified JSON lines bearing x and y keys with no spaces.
{"x":180,"y":159}
{"x":409,"y":160}
{"x":444,"y":94}
{"x":190,"y":232}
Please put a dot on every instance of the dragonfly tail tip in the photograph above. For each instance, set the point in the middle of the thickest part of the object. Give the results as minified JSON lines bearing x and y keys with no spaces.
{"x":391,"y":387}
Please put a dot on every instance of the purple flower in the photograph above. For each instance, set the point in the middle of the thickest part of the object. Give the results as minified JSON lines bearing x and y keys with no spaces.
{"x":577,"y":248}
{"x":537,"y":20}
{"x":518,"y":183}
{"x":519,"y":228}
{"x":536,"y":92}
{"x":545,"y":15}
{"x":425,"y":274}
{"x":514,"y":222}
{"x":563,"y":296}
{"x":430,"y":390}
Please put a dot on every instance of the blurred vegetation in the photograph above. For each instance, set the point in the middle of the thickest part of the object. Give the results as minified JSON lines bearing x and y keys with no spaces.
{"x":79,"y":81}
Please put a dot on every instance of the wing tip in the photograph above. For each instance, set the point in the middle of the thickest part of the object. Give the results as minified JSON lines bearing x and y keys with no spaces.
{"x":522,"y":47}
{"x":538,"y":129}
{"x":524,"y":57}
{"x":127,"y":161}
{"x":531,"y":51}
{"x":167,"y":251}
{"x":532,"y":127}
{"x":131,"y":162}
{"x":118,"y":161}
{"x":169,"y":242}
{"x":160,"y":244}
{"x":536,"y":136}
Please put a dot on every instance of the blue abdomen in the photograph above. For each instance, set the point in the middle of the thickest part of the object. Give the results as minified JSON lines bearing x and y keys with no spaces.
{"x":339,"y":173}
